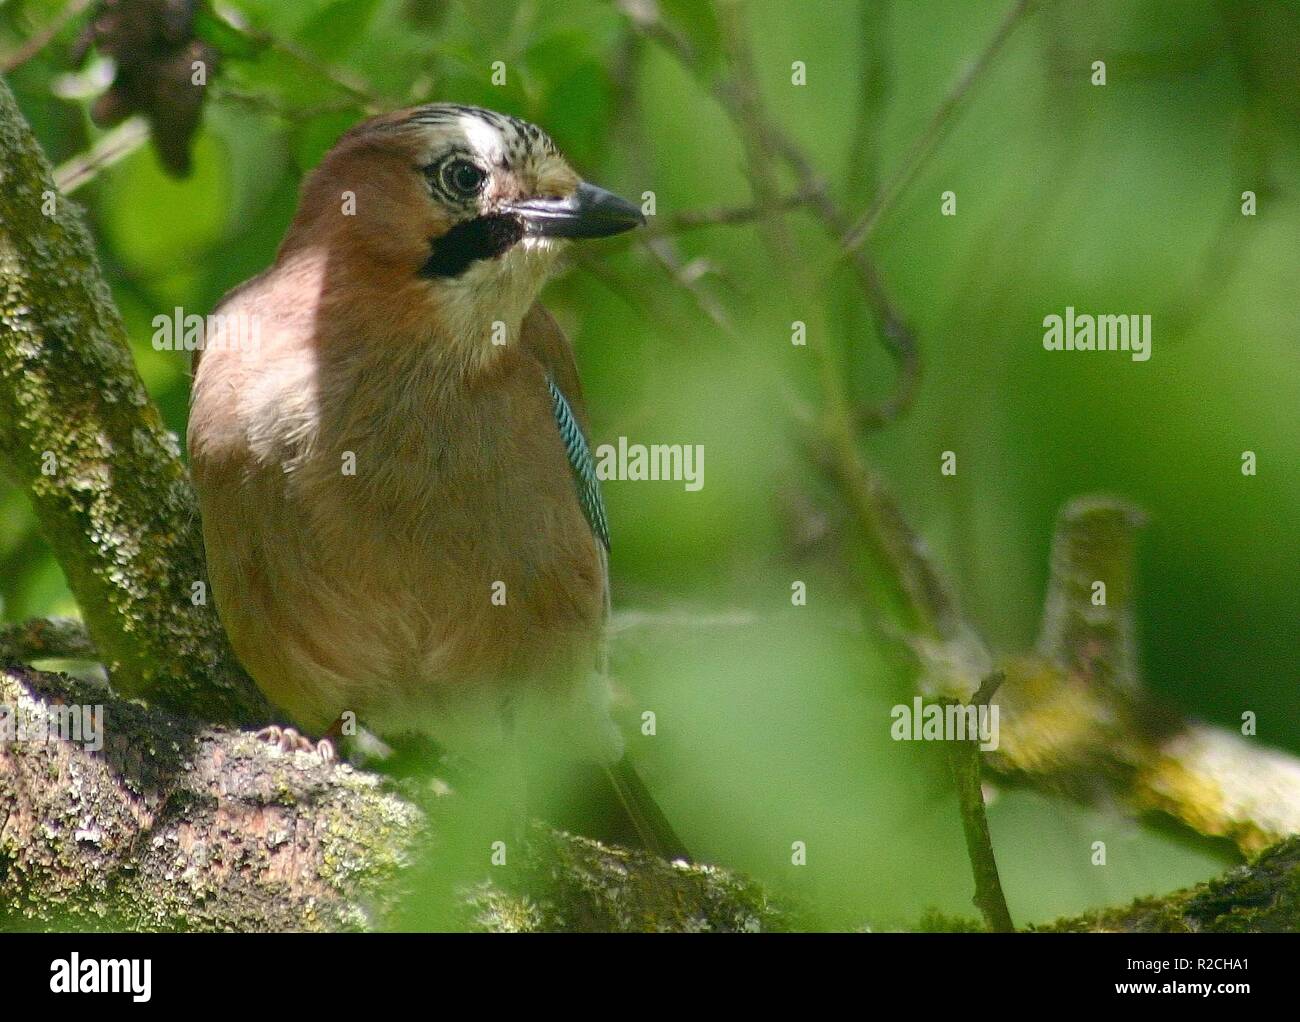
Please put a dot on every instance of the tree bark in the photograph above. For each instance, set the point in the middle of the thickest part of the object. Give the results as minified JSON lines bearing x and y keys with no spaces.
{"x":1260,"y":897}
{"x":1078,"y":722}
{"x":79,"y":434}
{"x":175,"y":825}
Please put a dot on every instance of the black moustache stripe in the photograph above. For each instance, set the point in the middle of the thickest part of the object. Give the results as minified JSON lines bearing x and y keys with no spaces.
{"x":484,"y":237}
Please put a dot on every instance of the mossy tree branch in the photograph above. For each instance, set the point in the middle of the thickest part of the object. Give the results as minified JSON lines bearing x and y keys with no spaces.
{"x":1077,"y":721}
{"x":174,"y":825}
{"x":1262,"y":896}
{"x":79,"y":434}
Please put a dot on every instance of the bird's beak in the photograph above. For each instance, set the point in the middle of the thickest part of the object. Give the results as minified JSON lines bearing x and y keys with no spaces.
{"x":590,"y":212}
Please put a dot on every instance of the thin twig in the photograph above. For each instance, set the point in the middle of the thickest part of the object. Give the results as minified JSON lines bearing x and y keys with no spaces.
{"x":907,"y":586}
{"x":356,"y":86}
{"x":755,"y":132}
{"x":621,"y":286}
{"x":41,"y":38}
{"x":835,"y":444}
{"x":115,"y":145}
{"x":862,"y":180}
{"x":268,"y":105}
{"x":940,"y":123}
{"x":661,"y":246}
{"x":964,"y":758}
{"x":726,"y":216}
{"x":872,"y":505}
{"x":895,"y":335}
{"x":687,"y":275}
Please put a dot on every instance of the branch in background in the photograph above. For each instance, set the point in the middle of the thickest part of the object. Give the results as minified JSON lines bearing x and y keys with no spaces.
{"x":756,"y":138}
{"x":263,"y":104}
{"x":688,"y":276}
{"x":906,"y":596}
{"x":726,"y":216}
{"x":1076,"y":721}
{"x":649,"y":305}
{"x":916,"y":601}
{"x":919,"y":603}
{"x":896,"y":336}
{"x":863,"y":173}
{"x":964,"y":758}
{"x":661,"y":246}
{"x":79,"y":434}
{"x":111,"y":147}
{"x":57,"y":638}
{"x":937,"y":129}
{"x":229,"y":20}
{"x":42,"y":37}
{"x":173,"y":826}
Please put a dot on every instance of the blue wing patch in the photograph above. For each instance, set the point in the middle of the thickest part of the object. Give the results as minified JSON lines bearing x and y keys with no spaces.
{"x":580,"y":460}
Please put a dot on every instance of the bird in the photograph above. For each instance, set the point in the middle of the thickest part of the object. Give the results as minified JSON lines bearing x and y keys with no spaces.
{"x":389,"y":444}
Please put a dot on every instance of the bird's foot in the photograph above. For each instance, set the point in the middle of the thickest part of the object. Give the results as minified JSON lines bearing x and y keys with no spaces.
{"x":290,"y":740}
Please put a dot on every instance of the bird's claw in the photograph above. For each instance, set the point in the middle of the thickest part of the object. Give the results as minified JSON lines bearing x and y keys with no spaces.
{"x":289,"y":739}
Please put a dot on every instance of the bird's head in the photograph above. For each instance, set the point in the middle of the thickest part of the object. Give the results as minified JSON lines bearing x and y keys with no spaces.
{"x":463,"y":206}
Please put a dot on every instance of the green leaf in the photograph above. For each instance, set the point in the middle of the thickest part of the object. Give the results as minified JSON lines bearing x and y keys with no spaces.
{"x":577,"y":111}
{"x":229,"y":41}
{"x":338,"y":28}
{"x":314,"y":138}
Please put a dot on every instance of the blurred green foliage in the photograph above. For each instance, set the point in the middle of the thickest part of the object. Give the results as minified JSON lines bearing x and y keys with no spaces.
{"x":1123,"y":198}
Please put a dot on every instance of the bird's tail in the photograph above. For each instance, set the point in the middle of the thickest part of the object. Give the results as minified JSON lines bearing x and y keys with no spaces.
{"x":652,"y":827}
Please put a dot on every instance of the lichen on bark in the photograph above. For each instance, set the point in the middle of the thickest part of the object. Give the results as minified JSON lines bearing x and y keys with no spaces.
{"x":1262,"y":896}
{"x":174,"y":825}
{"x":79,"y":434}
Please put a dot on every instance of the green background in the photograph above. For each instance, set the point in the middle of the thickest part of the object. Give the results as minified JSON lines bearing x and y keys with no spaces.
{"x":1123,"y":198}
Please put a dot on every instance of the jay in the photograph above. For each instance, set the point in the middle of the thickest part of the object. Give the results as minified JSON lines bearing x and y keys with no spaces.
{"x":400,"y":509}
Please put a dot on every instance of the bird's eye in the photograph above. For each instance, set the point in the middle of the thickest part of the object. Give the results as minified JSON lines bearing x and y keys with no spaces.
{"x":463,"y":178}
